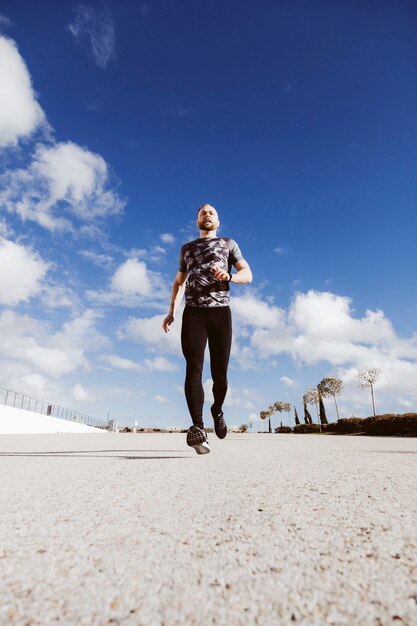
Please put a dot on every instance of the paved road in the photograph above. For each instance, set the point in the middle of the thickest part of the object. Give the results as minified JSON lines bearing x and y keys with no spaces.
{"x":268,"y":529}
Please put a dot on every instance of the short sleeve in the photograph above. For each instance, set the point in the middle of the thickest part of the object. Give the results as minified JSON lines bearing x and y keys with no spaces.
{"x":235,"y":254}
{"x":182,"y":266}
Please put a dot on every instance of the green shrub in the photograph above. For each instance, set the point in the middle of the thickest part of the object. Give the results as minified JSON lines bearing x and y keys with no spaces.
{"x":306,"y":428}
{"x":390,"y":425}
{"x":330,"y":427}
{"x":283,"y":429}
{"x":350,"y":425}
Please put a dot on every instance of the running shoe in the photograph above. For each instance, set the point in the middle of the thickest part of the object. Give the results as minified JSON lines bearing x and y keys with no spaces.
{"x":197,"y":439}
{"x":220,"y":426}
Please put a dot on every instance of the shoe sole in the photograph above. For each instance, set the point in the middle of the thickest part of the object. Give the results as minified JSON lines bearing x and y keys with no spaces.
{"x":197,"y":439}
{"x":201,"y":449}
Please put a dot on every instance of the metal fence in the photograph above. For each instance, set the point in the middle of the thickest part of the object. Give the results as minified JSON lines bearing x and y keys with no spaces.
{"x":20,"y":401}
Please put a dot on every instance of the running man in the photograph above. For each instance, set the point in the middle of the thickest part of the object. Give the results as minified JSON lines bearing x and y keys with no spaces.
{"x":206,"y":263}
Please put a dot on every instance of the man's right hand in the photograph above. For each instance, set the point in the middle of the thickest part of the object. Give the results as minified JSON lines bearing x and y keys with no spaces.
{"x":167,"y":322}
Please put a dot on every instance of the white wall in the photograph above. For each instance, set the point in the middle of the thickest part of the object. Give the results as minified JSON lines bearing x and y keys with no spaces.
{"x":19,"y":421}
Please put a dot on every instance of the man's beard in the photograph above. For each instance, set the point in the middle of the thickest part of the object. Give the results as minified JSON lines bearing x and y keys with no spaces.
{"x":207,"y":226}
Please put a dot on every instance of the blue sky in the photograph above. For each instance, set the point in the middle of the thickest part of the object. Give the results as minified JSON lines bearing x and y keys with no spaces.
{"x":296,"y":120}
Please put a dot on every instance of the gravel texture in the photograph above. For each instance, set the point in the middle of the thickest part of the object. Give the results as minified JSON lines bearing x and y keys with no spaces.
{"x":267,"y":529}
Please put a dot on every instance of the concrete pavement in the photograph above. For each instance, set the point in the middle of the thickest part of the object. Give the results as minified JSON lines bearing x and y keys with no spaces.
{"x":267,"y":529}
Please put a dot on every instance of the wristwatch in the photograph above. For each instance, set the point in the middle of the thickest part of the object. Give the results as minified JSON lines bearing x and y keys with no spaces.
{"x":230,"y":278}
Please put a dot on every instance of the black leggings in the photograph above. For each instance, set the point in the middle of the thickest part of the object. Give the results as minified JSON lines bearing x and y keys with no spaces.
{"x":199,"y":325}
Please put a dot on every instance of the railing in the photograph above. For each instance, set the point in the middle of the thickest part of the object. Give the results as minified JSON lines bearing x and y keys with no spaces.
{"x":20,"y":401}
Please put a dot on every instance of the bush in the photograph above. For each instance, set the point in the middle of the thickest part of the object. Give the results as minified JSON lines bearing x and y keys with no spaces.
{"x":350,"y":425}
{"x":331,"y":427}
{"x":283,"y":429}
{"x":390,"y":425}
{"x":306,"y":428}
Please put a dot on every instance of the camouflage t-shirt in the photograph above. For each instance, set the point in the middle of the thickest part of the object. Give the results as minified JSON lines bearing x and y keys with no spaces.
{"x":196,"y":259}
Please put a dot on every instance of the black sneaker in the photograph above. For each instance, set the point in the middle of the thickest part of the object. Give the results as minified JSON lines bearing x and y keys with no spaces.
{"x":197,"y":439}
{"x":220,"y":426}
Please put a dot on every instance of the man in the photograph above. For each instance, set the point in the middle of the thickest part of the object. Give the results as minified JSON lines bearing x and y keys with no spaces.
{"x":206,"y":263}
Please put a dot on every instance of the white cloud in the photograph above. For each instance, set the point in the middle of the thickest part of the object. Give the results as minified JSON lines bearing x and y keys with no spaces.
{"x":290,"y":382}
{"x":57,"y":297}
{"x":5,"y":230}
{"x":320,"y":327}
{"x":29,"y":344}
{"x":22,"y":272}
{"x":133,"y":284}
{"x":148,"y":331}
{"x":159,"y":364}
{"x":131,"y":278}
{"x":162,"y":399}
{"x":79,"y":393}
{"x":100,"y":260}
{"x":20,"y":113}
{"x":248,"y":310}
{"x":241,"y":397}
{"x":120,"y":363}
{"x":167,"y":238}
{"x":94,"y":32}
{"x":4,"y":20}
{"x":62,"y":181}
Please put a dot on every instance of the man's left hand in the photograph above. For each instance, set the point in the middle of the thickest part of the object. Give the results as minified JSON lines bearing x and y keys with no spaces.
{"x":219,"y":273}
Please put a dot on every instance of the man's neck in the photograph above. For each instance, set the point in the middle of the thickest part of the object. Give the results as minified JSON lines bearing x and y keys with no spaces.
{"x":208,"y":234}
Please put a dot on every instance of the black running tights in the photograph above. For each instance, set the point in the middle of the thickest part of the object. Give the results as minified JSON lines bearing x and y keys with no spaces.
{"x":199,"y":325}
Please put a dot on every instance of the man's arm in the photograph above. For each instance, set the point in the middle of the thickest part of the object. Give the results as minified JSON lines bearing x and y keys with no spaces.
{"x":176,"y":296}
{"x":243,"y":275}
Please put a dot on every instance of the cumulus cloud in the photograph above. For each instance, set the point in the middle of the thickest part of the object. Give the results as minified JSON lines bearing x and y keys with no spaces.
{"x":94,"y":31}
{"x":159,"y":364}
{"x":29,"y":343}
{"x":61,"y":179}
{"x":148,"y":332}
{"x":20,"y":113}
{"x":22,"y":273}
{"x":167,"y":238}
{"x":290,"y":382}
{"x":132,"y":278}
{"x":243,"y":397}
{"x":248,"y":310}
{"x":317,"y":328}
{"x":321,"y":327}
{"x":133,"y":284}
{"x":79,"y":393}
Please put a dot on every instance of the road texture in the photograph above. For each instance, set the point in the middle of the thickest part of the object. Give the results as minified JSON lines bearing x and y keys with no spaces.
{"x":267,"y":529}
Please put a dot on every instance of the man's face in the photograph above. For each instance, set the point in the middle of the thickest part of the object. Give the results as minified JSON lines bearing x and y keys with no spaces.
{"x":207,"y":218}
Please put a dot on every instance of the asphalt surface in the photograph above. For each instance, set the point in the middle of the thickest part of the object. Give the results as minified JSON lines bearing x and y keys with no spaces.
{"x":267,"y":529}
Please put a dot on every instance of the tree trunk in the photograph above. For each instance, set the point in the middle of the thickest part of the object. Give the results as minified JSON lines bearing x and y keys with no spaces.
{"x":323,"y":416}
{"x":373,"y":399}
{"x":337,"y":410}
{"x":296,"y":418}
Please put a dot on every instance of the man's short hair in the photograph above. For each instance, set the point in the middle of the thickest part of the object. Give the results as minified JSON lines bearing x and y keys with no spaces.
{"x":203,"y":205}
